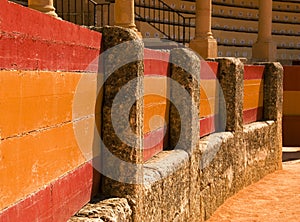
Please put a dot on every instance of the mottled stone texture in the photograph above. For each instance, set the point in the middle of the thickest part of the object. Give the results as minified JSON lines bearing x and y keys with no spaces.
{"x":167,"y":190}
{"x":231,"y":161}
{"x":273,"y":91}
{"x":273,"y":101}
{"x":261,"y":150}
{"x":195,"y":176}
{"x":184,"y":117}
{"x":217,"y":171}
{"x":185,"y":97}
{"x":109,"y":210}
{"x":122,"y":151}
{"x":231,"y":79}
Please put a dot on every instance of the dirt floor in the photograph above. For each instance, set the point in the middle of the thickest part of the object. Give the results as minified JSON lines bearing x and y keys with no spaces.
{"x":275,"y":198}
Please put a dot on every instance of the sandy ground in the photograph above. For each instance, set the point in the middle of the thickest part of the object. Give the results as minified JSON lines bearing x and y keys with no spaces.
{"x":275,"y":198}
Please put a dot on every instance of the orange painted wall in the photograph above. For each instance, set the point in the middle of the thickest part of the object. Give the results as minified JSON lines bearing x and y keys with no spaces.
{"x":40,"y":128}
{"x":291,"y":107}
{"x":253,"y":93}
{"x":47,"y":108}
{"x":208,"y":97}
{"x":156,"y":103}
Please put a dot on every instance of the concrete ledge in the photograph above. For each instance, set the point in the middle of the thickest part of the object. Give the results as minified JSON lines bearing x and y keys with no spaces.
{"x":218,"y":171}
{"x":261,"y":150}
{"x":166,"y":187}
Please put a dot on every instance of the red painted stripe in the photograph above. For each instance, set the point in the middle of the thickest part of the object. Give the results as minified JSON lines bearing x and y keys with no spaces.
{"x":156,"y":63}
{"x":40,"y":42}
{"x":290,"y":130}
{"x":154,"y":142}
{"x":291,"y":79}
{"x":252,"y":115}
{"x":34,"y":23}
{"x":208,"y":70}
{"x":56,"y":202}
{"x":207,"y":126}
{"x":253,"y":72}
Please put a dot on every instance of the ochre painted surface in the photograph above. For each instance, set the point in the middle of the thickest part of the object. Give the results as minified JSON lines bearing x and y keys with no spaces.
{"x":39,"y":138}
{"x":33,"y":100}
{"x":253,"y":93}
{"x":57,"y":201}
{"x":45,"y":115}
{"x":209,"y":97}
{"x":291,"y":78}
{"x":290,"y":130}
{"x":156,"y":104}
{"x":208,"y":107}
{"x":291,"y":104}
{"x":29,"y":162}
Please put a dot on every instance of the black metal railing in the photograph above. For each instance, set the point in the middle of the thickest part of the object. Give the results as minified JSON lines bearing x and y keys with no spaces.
{"x":84,"y":12}
{"x":172,"y":24}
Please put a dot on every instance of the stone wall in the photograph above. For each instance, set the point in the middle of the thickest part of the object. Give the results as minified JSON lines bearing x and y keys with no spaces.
{"x":190,"y":179}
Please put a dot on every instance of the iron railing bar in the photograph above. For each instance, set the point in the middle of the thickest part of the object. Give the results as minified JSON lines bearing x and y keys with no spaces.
{"x":95,"y":17}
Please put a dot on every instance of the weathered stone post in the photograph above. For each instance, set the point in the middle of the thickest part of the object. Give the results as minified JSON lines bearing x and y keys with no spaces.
{"x":264,"y":49}
{"x":223,"y":153}
{"x":45,"y":6}
{"x":204,"y":43}
{"x":231,"y":79}
{"x":184,"y":119}
{"x":122,"y":126}
{"x":273,"y":100}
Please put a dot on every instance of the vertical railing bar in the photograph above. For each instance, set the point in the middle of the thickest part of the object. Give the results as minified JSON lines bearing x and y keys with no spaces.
{"x":62,"y":9}
{"x":174,"y":31}
{"x":183,"y":31}
{"x":88,"y":13}
{"x":75,"y":8}
{"x":82,"y":12}
{"x":69,"y":9}
{"x":102,"y":16}
{"x":169,"y":19}
{"x":108,"y":15}
{"x":95,"y":19}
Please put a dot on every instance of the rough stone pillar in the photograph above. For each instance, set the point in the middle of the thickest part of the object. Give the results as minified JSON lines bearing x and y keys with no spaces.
{"x":204,"y":43}
{"x":124,"y":14}
{"x":122,"y":122}
{"x":184,"y":110}
{"x":264,"y":49}
{"x":45,"y":6}
{"x":273,"y":100}
{"x":184,"y":117}
{"x":231,"y":78}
